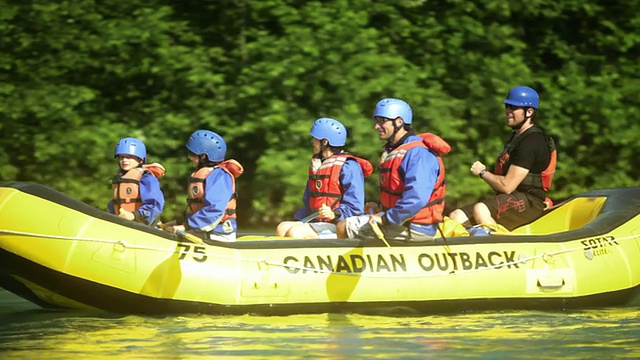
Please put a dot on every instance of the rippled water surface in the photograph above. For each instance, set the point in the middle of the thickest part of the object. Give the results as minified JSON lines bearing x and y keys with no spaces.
{"x":27,"y":331}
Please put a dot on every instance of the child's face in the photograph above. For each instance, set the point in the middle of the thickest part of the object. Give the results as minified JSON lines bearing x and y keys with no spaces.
{"x":194,"y":159}
{"x":316,"y":145}
{"x":128,"y":162}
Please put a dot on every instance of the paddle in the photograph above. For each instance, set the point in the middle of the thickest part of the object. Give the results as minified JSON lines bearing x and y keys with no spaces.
{"x":315,"y":214}
{"x":308,"y":218}
{"x":194,"y":239}
{"x":185,"y":235}
{"x":378,"y":232}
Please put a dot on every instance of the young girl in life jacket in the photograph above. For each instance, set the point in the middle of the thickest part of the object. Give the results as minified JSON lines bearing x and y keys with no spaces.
{"x":335,"y":185}
{"x":136,"y":189}
{"x":211,"y":192}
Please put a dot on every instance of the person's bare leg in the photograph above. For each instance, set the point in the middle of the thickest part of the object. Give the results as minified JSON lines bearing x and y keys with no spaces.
{"x":341,"y":229}
{"x":482,"y":214}
{"x":302,"y":231}
{"x":284,"y":227}
{"x":459,"y":216}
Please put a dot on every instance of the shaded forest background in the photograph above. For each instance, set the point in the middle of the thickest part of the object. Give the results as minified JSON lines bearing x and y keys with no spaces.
{"x":78,"y":75}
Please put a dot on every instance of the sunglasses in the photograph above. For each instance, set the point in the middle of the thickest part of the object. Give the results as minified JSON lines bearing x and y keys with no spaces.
{"x":381,"y":120}
{"x":127,"y":157}
{"x":512,"y":107}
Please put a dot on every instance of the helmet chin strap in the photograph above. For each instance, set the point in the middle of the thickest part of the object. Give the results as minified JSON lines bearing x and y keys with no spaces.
{"x":519,"y":125}
{"x":392,"y":140}
{"x":322,"y":148}
{"x":201,"y":162}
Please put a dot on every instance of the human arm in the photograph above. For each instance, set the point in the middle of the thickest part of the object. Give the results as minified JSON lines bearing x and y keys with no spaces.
{"x":218,"y":189}
{"x":352,"y":200}
{"x":372,"y":207}
{"x":503,"y":184}
{"x":152,"y":200}
{"x":419,"y":169}
{"x":304,"y":210}
{"x":530,"y":155}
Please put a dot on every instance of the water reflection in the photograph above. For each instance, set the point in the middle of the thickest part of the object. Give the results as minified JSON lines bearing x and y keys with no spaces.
{"x":26,"y":332}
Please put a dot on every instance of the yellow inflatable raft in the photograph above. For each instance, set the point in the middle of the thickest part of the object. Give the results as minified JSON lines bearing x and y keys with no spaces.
{"x":59,"y":252}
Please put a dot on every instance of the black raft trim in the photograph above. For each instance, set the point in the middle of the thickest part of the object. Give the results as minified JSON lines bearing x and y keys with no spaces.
{"x":620,"y":207}
{"x":49,"y":194}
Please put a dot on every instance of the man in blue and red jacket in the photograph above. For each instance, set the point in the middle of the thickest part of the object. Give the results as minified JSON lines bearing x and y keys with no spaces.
{"x":411,"y":180}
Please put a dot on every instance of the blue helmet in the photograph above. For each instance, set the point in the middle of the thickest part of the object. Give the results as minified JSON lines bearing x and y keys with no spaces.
{"x":330,"y":129}
{"x":393,"y":108}
{"x":209,"y":143}
{"x":131,"y":146}
{"x":523,"y":96}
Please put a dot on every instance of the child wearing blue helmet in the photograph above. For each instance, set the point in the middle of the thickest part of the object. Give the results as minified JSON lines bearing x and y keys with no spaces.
{"x":335,"y":188}
{"x":136,"y":189}
{"x":211,"y":190}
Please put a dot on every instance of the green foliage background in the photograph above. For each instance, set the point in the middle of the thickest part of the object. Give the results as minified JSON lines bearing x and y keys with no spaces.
{"x":78,"y":75}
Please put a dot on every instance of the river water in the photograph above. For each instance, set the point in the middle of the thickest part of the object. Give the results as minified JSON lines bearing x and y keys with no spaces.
{"x":28,"y":332}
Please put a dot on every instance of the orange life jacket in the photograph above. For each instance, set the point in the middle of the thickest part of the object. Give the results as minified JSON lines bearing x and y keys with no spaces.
{"x":196,"y":190}
{"x":540,"y":181}
{"x":324,"y":179}
{"x":392,"y":185}
{"x":126,"y":187}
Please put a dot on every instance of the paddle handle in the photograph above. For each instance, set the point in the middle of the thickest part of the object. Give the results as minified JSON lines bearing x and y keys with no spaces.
{"x":315,"y":214}
{"x":378,"y":232}
{"x":185,"y":235}
{"x":308,"y":218}
{"x":194,"y":239}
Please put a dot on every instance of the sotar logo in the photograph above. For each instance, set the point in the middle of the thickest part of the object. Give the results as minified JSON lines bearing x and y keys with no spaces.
{"x":194,"y":190}
{"x":599,"y":245}
{"x":128,"y":191}
{"x":318,"y":184}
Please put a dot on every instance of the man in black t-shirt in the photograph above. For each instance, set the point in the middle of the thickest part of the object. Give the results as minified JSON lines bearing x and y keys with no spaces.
{"x":523,"y":171}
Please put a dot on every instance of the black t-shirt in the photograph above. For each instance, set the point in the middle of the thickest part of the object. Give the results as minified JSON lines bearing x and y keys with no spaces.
{"x":531,"y":152}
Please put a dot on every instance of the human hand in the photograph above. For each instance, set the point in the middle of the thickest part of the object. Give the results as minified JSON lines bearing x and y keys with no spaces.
{"x":177,"y":228}
{"x":375,"y":218}
{"x":168,"y":226}
{"x":126,"y":214}
{"x":372,"y":208}
{"x":326,"y":212}
{"x":477,"y":167}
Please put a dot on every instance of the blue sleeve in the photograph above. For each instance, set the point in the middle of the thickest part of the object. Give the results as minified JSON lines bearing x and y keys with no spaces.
{"x":419,"y":169}
{"x":110,"y":207}
{"x":218,"y":189}
{"x":152,"y":199}
{"x":352,"y":181}
{"x":305,"y":210}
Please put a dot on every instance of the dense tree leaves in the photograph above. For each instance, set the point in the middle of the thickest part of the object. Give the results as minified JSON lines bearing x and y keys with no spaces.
{"x":78,"y":75}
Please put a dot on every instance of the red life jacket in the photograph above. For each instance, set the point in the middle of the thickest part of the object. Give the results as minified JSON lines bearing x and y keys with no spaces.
{"x":392,"y":185}
{"x":126,"y":187}
{"x":324,"y":179}
{"x":539,"y":181}
{"x":196,"y":190}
